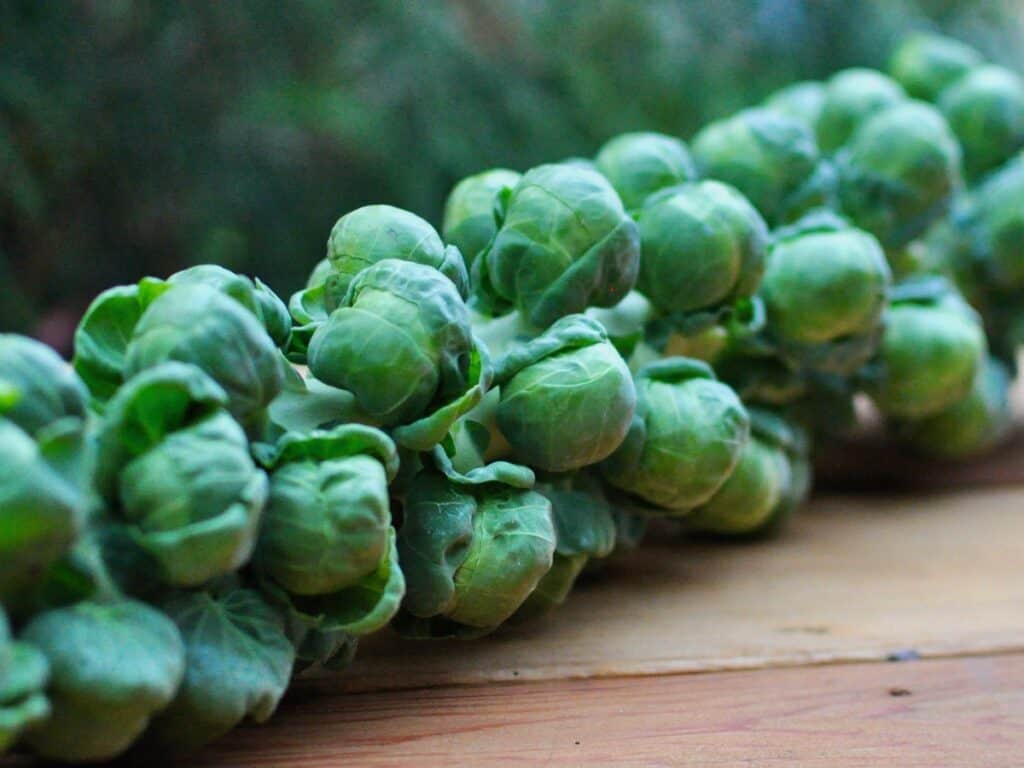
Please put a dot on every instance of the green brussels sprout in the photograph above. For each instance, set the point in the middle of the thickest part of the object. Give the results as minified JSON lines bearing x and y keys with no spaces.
{"x":989,"y":219}
{"x":985,"y":109}
{"x":983,"y":245}
{"x":824,"y":293}
{"x":564,"y":243}
{"x":584,"y":528}
{"x":47,"y":461}
{"x":403,"y":316}
{"x":931,"y":351}
{"x":851,"y":96}
{"x":373,"y":233}
{"x":321,"y":626}
{"x":44,"y":388}
{"x":703,"y":246}
{"x":198,"y":325}
{"x":970,"y":426}
{"x":770,"y":480}
{"x":469,"y":222}
{"x":639,"y":164}
{"x":898,"y":172}
{"x":685,"y":441}
{"x":24,"y":673}
{"x":801,"y":101}
{"x":112,"y":668}
{"x":238,"y":662}
{"x":328,"y":520}
{"x":253,"y":294}
{"x":174,"y":468}
{"x":567,"y":396}
{"x":195,"y":325}
{"x":769,"y":157}
{"x":925,"y":64}
{"x":473,"y":549}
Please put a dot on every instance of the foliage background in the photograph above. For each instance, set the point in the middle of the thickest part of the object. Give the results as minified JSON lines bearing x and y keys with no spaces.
{"x":140,"y":137}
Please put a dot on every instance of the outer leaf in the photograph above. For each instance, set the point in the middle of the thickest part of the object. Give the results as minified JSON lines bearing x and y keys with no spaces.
{"x":102,"y":336}
{"x":238,"y":662}
{"x":112,"y":668}
{"x":40,"y":512}
{"x":305,"y":404}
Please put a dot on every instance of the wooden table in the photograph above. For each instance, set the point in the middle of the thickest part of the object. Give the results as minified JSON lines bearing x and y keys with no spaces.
{"x":883,"y":630}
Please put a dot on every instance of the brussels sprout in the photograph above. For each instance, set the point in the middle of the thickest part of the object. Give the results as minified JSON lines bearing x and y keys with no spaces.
{"x":990,"y":221}
{"x":564,"y":243}
{"x":639,"y":164}
{"x":44,"y":388}
{"x":985,"y":109}
{"x":43,"y":488}
{"x":322,"y":625}
{"x":685,"y":441}
{"x":924,"y":64}
{"x":852,"y":96}
{"x":802,"y":101}
{"x":703,"y":246}
{"x":567,"y":397}
{"x":253,"y":294}
{"x":770,"y":480}
{"x":473,"y":549}
{"x":769,"y":157}
{"x":403,"y":316}
{"x":584,"y":528}
{"x":238,"y":662}
{"x":373,"y":233}
{"x":970,"y":426}
{"x":174,"y":468}
{"x":824,"y":292}
{"x":898,"y":172}
{"x":24,"y":672}
{"x":112,"y":668}
{"x":328,"y":517}
{"x":196,"y":325}
{"x":469,"y":222}
{"x":931,"y":351}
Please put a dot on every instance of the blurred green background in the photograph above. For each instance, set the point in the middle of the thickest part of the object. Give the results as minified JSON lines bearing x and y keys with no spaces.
{"x":140,"y":137}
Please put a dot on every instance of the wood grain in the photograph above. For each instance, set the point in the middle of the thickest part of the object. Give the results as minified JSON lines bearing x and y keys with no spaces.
{"x":925,"y":714}
{"x":855,"y":579}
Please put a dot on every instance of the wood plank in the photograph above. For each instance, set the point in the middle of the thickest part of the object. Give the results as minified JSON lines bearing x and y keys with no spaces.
{"x":854,"y":579}
{"x":950,"y":713}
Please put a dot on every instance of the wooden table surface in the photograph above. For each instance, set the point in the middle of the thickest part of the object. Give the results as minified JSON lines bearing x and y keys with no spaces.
{"x":882,"y":630}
